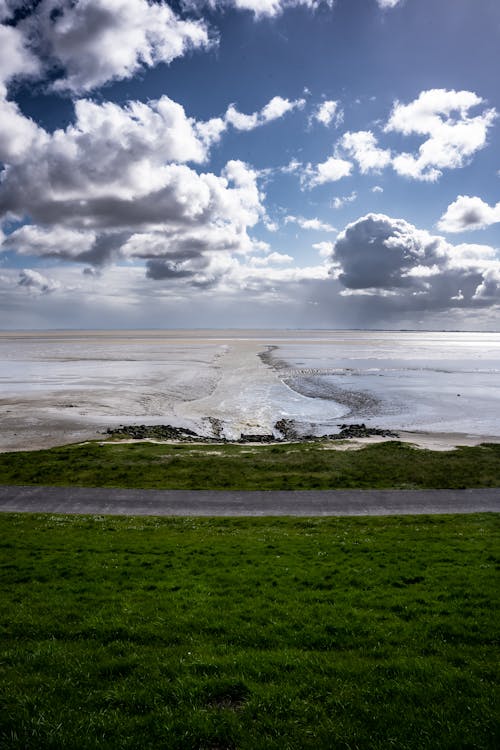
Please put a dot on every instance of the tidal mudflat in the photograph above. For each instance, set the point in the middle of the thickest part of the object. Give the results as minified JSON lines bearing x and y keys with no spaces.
{"x":64,"y":386}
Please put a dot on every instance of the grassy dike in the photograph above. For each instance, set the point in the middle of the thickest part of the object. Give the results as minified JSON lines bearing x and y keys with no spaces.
{"x":250,"y":467}
{"x":226,"y":634}
{"x":249,"y":633}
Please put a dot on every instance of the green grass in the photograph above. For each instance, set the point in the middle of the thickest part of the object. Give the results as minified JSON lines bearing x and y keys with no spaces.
{"x":295,"y":466}
{"x":280,"y":634}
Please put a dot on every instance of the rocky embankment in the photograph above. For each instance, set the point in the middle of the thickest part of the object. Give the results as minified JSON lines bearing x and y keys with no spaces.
{"x":285,"y":431}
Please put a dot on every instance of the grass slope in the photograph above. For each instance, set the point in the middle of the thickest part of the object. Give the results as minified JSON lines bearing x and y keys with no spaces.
{"x":294,"y":466}
{"x":283,"y":634}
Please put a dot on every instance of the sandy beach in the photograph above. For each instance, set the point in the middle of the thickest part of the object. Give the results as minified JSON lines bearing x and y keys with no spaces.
{"x":63,"y":387}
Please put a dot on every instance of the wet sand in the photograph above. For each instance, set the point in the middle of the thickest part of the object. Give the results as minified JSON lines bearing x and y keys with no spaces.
{"x":63,"y":387}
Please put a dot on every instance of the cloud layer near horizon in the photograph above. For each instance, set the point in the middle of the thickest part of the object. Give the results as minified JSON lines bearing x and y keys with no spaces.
{"x":132,"y":183}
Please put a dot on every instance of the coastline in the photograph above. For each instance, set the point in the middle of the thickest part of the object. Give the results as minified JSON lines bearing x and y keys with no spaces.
{"x":59,"y":433}
{"x":60,"y":388}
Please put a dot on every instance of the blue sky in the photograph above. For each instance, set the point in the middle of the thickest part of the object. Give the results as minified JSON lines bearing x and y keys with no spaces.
{"x":258,"y":163}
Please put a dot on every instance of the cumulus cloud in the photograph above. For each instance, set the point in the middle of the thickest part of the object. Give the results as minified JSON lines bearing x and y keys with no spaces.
{"x":108,"y":148}
{"x":191,"y":217}
{"x":96,"y":41}
{"x":362,"y":147}
{"x":240,"y":121}
{"x":468,"y":212}
{"x":377,"y":251}
{"x":276,"y":108}
{"x":16,"y":60}
{"x":385,"y":257}
{"x":331,"y":170}
{"x":37,"y":283}
{"x":314,"y":224}
{"x":18,"y":134}
{"x":119,"y":184}
{"x":116,"y":183}
{"x":51,"y":243}
{"x":454,"y":135}
{"x":488,"y":291}
{"x":327,"y":112}
{"x":73,"y":175}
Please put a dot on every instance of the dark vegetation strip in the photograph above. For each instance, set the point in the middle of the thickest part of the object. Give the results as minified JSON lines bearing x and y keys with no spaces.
{"x":269,"y":467}
{"x":305,"y":634}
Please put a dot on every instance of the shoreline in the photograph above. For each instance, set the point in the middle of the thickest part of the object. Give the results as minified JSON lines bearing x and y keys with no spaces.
{"x":433,"y":394}
{"x":81,"y":434}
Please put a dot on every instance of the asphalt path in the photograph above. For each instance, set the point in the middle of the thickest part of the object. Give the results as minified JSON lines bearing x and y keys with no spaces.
{"x":108,"y":501}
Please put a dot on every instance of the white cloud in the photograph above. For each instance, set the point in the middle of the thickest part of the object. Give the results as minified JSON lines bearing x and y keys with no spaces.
{"x":388,"y":3}
{"x":488,"y":290}
{"x":58,"y":241}
{"x":107,"y":146}
{"x":469,"y":254}
{"x":468,"y":212}
{"x":115,"y":183}
{"x":241,"y":121}
{"x":362,"y":146}
{"x":377,"y":189}
{"x":260,"y":8}
{"x":327,"y":112}
{"x":276,"y":108}
{"x":18,"y":134}
{"x":331,"y":170}
{"x":292,"y":167}
{"x":325,"y":249}
{"x":341,"y":201}
{"x":453,"y":135}
{"x":271,"y":259}
{"x":314,"y":224}
{"x":96,"y":41}
{"x":15,"y":58}
{"x":77,"y":164}
{"x":271,"y":226}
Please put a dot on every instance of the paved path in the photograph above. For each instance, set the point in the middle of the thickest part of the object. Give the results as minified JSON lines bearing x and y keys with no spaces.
{"x":245,"y":503}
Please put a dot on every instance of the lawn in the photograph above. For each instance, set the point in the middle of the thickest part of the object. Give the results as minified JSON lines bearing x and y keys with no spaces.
{"x":266,"y":467}
{"x":217,"y":634}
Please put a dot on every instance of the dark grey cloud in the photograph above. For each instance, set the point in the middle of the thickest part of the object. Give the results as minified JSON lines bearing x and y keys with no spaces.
{"x":164,"y":269}
{"x":389,"y":264}
{"x":377,"y":251}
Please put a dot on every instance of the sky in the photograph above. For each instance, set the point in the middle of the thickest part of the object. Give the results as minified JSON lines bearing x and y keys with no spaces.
{"x":250,"y":164}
